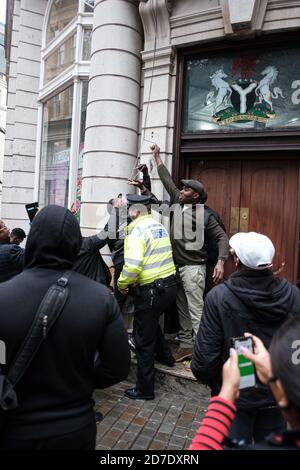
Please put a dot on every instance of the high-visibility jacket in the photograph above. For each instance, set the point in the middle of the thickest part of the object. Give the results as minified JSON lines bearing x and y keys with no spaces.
{"x":147,"y":252}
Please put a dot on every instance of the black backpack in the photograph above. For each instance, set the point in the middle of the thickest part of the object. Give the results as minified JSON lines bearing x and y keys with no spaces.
{"x":211,"y":245}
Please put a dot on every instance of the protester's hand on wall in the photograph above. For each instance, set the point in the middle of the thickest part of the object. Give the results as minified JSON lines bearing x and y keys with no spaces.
{"x":136,"y":183}
{"x":156,"y":154}
{"x":218,"y":273}
{"x":231,"y":378}
{"x":144,"y":169}
{"x":260,"y":358}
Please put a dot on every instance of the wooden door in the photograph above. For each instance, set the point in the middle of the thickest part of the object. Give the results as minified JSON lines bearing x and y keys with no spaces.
{"x":262,"y":196}
{"x":269,"y":191}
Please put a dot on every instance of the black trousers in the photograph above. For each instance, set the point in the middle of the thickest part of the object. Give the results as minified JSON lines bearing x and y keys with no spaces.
{"x":120,"y":298}
{"x":82,"y":439}
{"x":149,"y":339}
{"x":256,"y":424}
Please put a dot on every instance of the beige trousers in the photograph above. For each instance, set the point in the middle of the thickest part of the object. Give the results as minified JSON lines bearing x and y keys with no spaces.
{"x":189,"y":302}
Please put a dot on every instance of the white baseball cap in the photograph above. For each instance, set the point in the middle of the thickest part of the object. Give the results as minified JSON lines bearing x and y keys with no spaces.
{"x":256,"y":251}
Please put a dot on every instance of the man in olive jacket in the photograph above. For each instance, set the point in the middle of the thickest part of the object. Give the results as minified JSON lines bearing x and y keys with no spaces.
{"x":191,"y":263}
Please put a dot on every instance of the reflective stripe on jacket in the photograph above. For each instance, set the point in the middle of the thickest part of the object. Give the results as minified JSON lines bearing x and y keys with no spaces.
{"x":148,"y":253}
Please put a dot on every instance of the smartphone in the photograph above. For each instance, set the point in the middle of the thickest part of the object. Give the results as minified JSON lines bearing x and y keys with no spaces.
{"x":247,"y":370}
{"x":31,"y":210}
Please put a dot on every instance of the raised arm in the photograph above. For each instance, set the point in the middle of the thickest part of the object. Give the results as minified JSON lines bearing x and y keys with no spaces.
{"x":165,"y":176}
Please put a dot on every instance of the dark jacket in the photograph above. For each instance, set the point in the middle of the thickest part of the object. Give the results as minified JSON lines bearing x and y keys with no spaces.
{"x":182,"y":256}
{"x":11,"y":261}
{"x":89,"y":261}
{"x":115,"y":230}
{"x":113,"y":234}
{"x":55,"y":394}
{"x":250,"y":301}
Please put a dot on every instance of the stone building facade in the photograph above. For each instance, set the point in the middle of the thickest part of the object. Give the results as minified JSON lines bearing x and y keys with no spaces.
{"x":93,"y":83}
{"x":3,"y":93}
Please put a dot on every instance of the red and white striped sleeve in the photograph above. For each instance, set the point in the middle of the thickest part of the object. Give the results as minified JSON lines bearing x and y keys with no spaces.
{"x":215,"y":425}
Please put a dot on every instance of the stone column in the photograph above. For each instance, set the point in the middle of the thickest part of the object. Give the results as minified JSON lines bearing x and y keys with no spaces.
{"x":111,"y":138}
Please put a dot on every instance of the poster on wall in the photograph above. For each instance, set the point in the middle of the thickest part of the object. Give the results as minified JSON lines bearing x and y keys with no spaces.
{"x":244,"y":91}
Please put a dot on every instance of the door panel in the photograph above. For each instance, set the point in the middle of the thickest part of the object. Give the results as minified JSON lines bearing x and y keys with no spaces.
{"x":262,"y":194}
{"x":222,"y":182}
{"x":269,"y":190}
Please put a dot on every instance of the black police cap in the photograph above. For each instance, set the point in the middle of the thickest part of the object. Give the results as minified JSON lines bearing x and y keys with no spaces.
{"x":138,"y":199}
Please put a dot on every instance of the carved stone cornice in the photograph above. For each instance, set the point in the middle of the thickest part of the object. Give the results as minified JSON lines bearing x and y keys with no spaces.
{"x":239,"y":21}
{"x":155,"y":15}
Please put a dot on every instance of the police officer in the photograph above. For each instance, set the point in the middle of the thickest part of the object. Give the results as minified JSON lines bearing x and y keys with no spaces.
{"x":149,"y":267}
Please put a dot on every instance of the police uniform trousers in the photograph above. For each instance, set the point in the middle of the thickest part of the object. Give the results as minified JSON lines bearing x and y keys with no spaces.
{"x":150,"y":302}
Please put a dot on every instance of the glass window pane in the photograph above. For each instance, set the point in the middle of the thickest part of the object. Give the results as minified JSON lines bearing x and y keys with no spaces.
{"x":56,"y":143}
{"x":61,"y":14}
{"x":249,"y":90}
{"x":87,"y":42}
{"x":76,"y":204}
{"x":60,"y":59}
{"x":89,"y":6}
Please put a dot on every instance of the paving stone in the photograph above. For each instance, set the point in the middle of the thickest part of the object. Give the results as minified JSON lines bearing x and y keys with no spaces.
{"x":143,"y":441}
{"x":132,"y":410}
{"x":120,"y":424}
{"x":153,"y":424}
{"x":157,"y":416}
{"x":148,"y":432}
{"x":167,"y":428}
{"x":135,"y":430}
{"x":157,"y":445}
{"x":144,"y":413}
{"x":162,"y":436}
{"x":139,"y":420}
{"x":178,"y":441}
{"x":181,"y":432}
{"x":169,"y":422}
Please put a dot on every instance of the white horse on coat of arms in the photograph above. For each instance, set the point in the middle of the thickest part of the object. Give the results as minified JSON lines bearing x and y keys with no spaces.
{"x":223,"y":91}
{"x":263,"y":91}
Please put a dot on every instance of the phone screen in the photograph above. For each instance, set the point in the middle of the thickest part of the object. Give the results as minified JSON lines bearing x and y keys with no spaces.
{"x":247,"y":370}
{"x":31,"y":210}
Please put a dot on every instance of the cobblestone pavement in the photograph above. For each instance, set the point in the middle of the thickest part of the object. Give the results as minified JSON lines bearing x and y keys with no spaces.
{"x":168,"y":422}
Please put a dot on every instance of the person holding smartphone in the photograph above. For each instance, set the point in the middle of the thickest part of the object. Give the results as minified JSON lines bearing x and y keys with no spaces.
{"x":253,"y":300}
{"x":279,"y":371}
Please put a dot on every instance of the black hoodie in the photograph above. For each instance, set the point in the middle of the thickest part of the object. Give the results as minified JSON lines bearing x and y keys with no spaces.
{"x":55,"y":394}
{"x":250,"y":301}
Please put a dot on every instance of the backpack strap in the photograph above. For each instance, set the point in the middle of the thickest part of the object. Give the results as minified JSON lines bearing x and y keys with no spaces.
{"x":48,"y":312}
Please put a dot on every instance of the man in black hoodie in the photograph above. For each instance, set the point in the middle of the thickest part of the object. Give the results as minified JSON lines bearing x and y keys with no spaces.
{"x":252,"y":300}
{"x":55,"y":394}
{"x":11,"y":255}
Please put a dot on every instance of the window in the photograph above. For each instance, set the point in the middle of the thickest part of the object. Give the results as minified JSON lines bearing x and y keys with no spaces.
{"x":89,"y":6}
{"x":87,"y":41}
{"x":60,"y":59}
{"x":56,"y":142}
{"x":76,"y":205}
{"x":61,"y":14}
{"x":64,"y":95}
{"x":248,"y":90}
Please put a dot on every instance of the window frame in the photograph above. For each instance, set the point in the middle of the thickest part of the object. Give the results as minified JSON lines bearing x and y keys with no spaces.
{"x":187,"y":145}
{"x":73,"y":75}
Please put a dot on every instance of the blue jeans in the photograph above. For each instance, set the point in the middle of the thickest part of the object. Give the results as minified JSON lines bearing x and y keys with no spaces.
{"x":253,"y":425}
